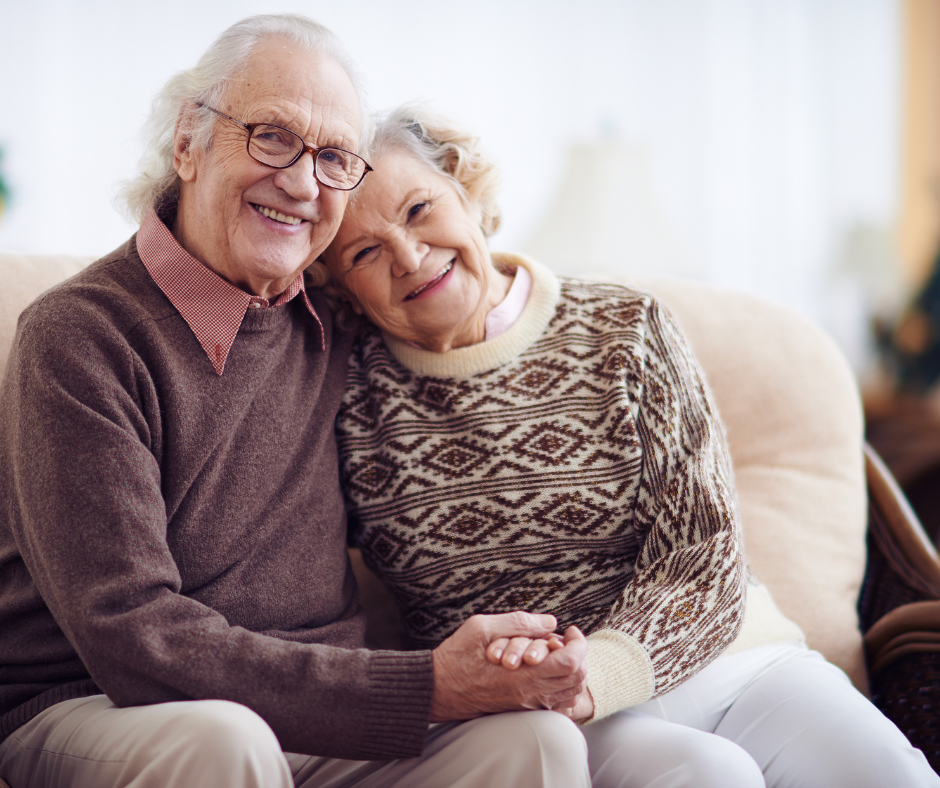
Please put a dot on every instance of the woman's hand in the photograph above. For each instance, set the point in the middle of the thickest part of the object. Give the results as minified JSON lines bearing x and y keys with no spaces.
{"x":582,"y":708}
{"x":511,"y":653}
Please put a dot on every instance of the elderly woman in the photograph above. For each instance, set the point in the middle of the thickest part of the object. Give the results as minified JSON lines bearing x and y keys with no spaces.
{"x":511,"y":440}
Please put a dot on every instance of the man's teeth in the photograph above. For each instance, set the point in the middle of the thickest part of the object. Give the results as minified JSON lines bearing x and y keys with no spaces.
{"x":437,"y":278}
{"x":277,"y":215}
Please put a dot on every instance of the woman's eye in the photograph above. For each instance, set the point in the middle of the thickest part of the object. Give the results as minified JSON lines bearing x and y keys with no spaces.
{"x":362,"y":253}
{"x":415,"y":209}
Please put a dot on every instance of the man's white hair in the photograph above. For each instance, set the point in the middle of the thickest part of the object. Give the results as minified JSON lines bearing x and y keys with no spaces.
{"x":157,"y":183}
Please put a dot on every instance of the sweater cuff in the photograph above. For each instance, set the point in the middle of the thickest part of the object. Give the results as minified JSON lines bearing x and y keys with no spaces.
{"x":401,"y":685}
{"x":620,"y":673}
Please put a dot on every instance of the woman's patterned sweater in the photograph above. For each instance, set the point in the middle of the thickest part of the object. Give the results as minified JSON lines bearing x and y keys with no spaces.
{"x":575,"y":465}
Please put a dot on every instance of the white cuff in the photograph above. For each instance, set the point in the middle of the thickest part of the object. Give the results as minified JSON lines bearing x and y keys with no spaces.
{"x":620,"y":673}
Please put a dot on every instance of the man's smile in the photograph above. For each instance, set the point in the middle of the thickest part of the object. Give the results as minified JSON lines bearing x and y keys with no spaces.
{"x":276,"y":215}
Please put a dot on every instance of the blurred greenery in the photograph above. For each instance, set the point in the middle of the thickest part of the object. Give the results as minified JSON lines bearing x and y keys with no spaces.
{"x":4,"y":191}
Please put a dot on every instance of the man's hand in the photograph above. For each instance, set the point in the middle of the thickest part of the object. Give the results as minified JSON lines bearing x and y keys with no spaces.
{"x":468,"y":685}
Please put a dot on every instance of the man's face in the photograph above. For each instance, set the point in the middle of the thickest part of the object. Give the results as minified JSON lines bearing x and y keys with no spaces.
{"x":225,"y":194}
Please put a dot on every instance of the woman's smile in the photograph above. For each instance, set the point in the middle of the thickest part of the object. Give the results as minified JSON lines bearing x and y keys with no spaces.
{"x":411,"y":256}
{"x":430,"y":286}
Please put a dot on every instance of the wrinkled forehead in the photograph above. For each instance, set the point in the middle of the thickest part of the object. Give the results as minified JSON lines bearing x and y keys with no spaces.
{"x":308,"y":92}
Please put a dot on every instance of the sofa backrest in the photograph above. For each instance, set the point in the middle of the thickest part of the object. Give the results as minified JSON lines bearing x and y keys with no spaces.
{"x":23,"y":277}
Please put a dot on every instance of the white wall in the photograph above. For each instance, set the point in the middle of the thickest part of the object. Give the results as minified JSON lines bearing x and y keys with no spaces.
{"x":770,"y":126}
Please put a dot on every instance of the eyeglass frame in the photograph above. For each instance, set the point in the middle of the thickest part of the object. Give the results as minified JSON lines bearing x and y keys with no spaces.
{"x":304,"y":148}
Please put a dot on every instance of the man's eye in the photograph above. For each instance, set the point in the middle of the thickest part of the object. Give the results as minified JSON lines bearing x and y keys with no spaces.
{"x":362,"y":253}
{"x":415,"y":209}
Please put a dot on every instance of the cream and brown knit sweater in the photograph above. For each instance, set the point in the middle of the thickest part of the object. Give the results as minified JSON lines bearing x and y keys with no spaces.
{"x":575,"y":465}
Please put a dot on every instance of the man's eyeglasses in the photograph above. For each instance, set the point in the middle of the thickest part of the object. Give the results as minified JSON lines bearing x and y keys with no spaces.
{"x":280,"y":148}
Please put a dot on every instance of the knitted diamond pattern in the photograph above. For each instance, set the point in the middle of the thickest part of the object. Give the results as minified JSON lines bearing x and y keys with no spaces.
{"x":588,"y":477}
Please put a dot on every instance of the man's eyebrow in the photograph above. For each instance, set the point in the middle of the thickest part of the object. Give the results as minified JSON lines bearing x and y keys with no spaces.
{"x":339,"y":139}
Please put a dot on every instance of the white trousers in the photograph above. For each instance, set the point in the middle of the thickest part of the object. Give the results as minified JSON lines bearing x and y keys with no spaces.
{"x":778,"y":716}
{"x":89,"y":743}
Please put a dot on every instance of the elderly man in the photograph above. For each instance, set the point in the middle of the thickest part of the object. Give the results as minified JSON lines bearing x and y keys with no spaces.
{"x":176,"y":602}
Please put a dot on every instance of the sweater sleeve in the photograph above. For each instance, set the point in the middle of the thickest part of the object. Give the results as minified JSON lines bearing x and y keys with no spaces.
{"x":685,"y":601}
{"x":81,"y":490}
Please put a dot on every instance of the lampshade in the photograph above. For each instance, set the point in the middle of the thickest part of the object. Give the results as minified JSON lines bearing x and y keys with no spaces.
{"x":604,"y":219}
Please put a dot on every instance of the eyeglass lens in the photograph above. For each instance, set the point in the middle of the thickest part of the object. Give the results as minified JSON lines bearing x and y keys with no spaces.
{"x":280,"y":148}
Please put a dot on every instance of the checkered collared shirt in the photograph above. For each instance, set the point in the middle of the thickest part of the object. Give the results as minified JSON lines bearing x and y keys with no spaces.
{"x":212,"y":307}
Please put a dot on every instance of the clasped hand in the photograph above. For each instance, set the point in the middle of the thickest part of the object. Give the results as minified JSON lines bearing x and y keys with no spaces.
{"x":510,"y":662}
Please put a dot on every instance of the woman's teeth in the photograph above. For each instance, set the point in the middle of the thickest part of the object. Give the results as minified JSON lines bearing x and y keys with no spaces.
{"x":277,"y":215}
{"x":435,"y":280}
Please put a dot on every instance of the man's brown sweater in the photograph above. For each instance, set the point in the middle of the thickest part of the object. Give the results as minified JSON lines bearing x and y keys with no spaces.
{"x":167,"y":533}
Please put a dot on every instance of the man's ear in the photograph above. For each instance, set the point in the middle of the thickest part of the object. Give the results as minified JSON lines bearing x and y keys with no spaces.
{"x":183,"y":160}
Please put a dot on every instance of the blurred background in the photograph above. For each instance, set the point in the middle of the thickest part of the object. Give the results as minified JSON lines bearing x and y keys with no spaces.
{"x":788,"y":148}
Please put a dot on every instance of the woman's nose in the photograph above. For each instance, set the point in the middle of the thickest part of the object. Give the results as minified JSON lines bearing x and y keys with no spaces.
{"x":407,"y":258}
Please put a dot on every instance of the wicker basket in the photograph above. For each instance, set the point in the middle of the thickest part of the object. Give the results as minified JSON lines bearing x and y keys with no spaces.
{"x":908,"y":692}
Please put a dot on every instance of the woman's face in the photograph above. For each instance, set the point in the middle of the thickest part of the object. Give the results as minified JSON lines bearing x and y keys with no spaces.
{"x":411,"y":256}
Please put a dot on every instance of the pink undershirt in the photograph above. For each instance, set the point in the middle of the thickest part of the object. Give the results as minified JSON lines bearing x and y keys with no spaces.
{"x":507,"y":311}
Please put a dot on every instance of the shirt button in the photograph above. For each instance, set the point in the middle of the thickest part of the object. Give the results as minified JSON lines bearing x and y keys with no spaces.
{"x":254,"y":305}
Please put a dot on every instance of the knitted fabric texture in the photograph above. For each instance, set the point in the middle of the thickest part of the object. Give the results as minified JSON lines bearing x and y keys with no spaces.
{"x":578,"y":469}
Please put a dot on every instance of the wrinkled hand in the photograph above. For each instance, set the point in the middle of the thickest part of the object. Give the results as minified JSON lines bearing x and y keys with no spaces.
{"x":512,"y":653}
{"x":468,"y":685}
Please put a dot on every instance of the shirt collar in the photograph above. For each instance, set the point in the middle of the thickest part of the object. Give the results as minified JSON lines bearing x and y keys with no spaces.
{"x":212,"y":308}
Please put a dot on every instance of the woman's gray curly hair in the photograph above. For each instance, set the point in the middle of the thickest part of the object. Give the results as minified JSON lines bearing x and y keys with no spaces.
{"x":157,"y":184}
{"x":446,"y":148}
{"x":442,"y":146}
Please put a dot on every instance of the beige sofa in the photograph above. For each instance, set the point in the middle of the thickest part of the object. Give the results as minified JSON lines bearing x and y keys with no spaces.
{"x":794,"y":421}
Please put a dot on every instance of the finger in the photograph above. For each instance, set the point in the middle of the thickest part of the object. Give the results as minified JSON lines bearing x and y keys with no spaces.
{"x":566,"y":707}
{"x":512,"y":655}
{"x":516,"y":624}
{"x":565,"y":662}
{"x":536,"y":652}
{"x":583,"y":696}
{"x":494,"y":651}
{"x":574,"y":635}
{"x":555,"y":643}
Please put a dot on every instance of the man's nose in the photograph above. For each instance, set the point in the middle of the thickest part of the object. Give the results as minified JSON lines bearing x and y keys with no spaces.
{"x":300,"y":180}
